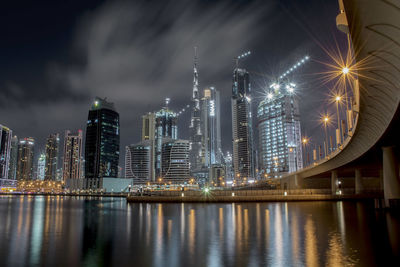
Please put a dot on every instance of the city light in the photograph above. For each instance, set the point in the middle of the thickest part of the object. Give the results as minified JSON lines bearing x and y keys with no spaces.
{"x":338,"y":98}
{"x":270,"y":96}
{"x":345,"y":70}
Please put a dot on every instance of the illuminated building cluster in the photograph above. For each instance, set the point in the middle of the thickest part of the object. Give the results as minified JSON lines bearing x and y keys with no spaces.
{"x":278,"y":117}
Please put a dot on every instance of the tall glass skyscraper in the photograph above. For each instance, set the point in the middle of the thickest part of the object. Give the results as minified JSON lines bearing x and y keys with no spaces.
{"x":195,"y":122}
{"x":5,"y":149}
{"x":52,"y":149}
{"x":72,"y":163}
{"x":242,"y":132}
{"x":41,"y":167}
{"x":280,"y":150}
{"x":211,"y":127}
{"x":25,"y":159}
{"x":102,"y":143}
{"x":12,"y":170}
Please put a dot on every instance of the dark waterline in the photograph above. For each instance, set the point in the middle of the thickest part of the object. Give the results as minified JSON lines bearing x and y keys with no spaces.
{"x":77,"y":231}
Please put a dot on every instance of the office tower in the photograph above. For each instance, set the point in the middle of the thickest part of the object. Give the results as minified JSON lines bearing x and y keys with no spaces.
{"x":166,"y":128}
{"x":175,"y":161}
{"x":229,"y":171}
{"x":137,"y":162}
{"x":156,"y":127}
{"x":25,"y":159}
{"x":52,"y":149}
{"x":102,"y":143}
{"x":242,"y":132}
{"x":5,"y":149}
{"x":72,"y":159}
{"x":195,"y":123}
{"x":41,"y":167}
{"x":278,"y":115}
{"x":12,"y":170}
{"x":211,"y":127}
{"x":149,"y":135}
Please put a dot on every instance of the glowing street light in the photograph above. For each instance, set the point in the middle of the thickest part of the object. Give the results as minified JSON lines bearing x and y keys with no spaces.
{"x":326,"y":121}
{"x":338,"y":98}
{"x":345,"y":70}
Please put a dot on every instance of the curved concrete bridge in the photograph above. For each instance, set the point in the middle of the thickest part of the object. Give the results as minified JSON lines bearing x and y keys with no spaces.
{"x":372,"y":151}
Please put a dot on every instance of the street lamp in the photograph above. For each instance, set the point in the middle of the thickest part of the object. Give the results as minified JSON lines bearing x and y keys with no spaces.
{"x":345,"y":70}
{"x":338,"y":135}
{"x":326,"y":121}
{"x":304,"y":141}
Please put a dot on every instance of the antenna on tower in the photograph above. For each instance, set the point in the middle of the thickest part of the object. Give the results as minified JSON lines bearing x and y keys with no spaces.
{"x":167,"y":102}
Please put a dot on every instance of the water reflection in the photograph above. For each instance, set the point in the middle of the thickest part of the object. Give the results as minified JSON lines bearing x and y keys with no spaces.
{"x":73,"y":231}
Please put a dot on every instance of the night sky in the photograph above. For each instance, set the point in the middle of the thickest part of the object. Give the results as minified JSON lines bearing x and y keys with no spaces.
{"x":56,"y":57}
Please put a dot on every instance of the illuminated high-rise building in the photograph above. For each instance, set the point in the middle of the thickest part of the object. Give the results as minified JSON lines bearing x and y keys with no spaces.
{"x":175,"y":161}
{"x":102,"y":143}
{"x":156,"y":127}
{"x":12,"y":170}
{"x":280,"y":150}
{"x":72,"y":160}
{"x":149,"y":135}
{"x":5,"y":149}
{"x":41,"y":166}
{"x":137,"y":162}
{"x":211,"y":127}
{"x":242,"y":132}
{"x":25,"y":159}
{"x":196,"y":161}
{"x":52,"y":149}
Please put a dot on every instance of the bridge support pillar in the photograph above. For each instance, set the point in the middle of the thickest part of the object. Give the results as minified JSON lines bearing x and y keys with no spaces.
{"x":334,"y":181}
{"x":298,"y":182}
{"x":358,"y":182}
{"x":391,"y":181}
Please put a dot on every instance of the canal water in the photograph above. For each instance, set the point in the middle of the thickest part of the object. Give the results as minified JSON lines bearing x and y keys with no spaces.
{"x":79,"y":231}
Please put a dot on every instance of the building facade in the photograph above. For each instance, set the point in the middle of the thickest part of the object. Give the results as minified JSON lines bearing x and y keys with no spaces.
{"x":41,"y":167}
{"x":5,"y":151}
{"x":211,"y":127}
{"x":25,"y":158}
{"x":149,"y":135}
{"x":137,"y":162}
{"x":175,"y":161}
{"x":278,"y":115}
{"x":242,"y":132}
{"x":12,"y":170}
{"x":72,"y":159}
{"x":102,"y":143}
{"x":196,"y":153}
{"x":52,"y":151}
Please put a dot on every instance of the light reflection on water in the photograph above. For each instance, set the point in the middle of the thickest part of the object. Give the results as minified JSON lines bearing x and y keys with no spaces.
{"x":76,"y":231}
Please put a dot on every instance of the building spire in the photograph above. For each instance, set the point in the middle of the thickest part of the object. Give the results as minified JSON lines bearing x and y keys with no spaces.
{"x":195,"y":96}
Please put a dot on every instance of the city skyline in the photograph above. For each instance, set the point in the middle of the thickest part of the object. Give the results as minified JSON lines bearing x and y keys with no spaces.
{"x":215,"y":70}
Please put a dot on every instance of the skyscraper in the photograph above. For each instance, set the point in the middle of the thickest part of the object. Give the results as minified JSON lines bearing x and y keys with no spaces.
{"x":242,"y":132}
{"x":149,"y":135}
{"x":280,"y":150}
{"x":102,"y":143}
{"x":12,"y":170}
{"x":25,"y":159}
{"x":211,"y":127}
{"x":72,"y":162}
{"x":5,"y":148}
{"x":52,"y":149}
{"x":156,"y":127}
{"x":175,"y":161}
{"x":195,"y":123}
{"x":137,"y":162}
{"x":41,"y":167}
